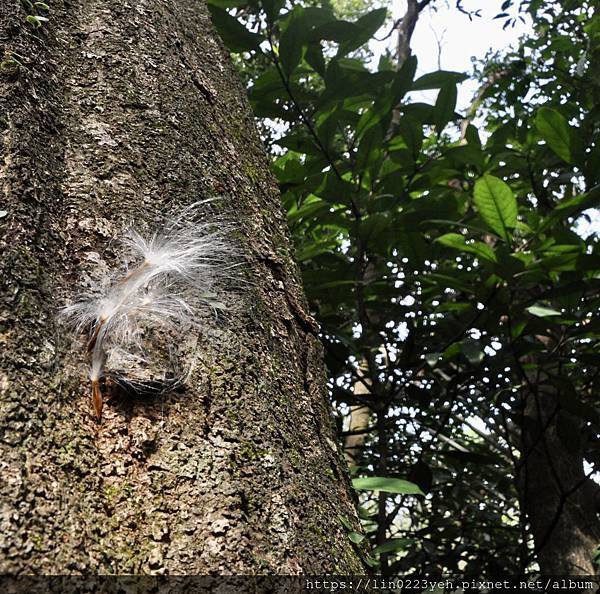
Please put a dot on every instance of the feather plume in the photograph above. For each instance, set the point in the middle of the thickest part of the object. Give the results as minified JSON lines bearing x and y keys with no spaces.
{"x":167,"y":276}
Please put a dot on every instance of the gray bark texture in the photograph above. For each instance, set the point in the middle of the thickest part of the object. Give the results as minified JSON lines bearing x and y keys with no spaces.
{"x":120,"y":109}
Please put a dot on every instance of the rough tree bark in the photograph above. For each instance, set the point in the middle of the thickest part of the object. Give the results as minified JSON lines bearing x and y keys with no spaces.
{"x":117,"y":110}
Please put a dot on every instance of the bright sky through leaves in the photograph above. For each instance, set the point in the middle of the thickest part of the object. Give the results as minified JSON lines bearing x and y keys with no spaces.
{"x":460,"y":39}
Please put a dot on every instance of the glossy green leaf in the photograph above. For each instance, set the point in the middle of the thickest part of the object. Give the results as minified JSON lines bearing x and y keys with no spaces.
{"x":497,"y":205}
{"x":444,"y":106}
{"x":459,"y":242}
{"x":555,"y":130}
{"x":356,"y":537}
{"x":366,"y":26}
{"x":394,"y":545}
{"x":386,"y":484}
{"x":437,"y":80}
{"x":542,"y":312}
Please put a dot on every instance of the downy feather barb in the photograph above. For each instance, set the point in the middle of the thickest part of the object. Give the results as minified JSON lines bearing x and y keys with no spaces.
{"x":168,"y":275}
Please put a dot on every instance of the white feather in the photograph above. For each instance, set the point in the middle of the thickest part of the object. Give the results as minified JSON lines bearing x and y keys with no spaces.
{"x":170,"y":273}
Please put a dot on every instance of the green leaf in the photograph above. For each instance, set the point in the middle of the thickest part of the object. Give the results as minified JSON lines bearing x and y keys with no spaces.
{"x":356,"y":537}
{"x":315,"y":16}
{"x":542,"y":312}
{"x":467,"y":154}
{"x":366,"y":27}
{"x":308,"y":211}
{"x":345,"y":522}
{"x":300,"y":143}
{"x":459,"y":242}
{"x":497,"y":205}
{"x":437,"y":80}
{"x":368,"y":148}
{"x":386,"y":484}
{"x":370,"y":118}
{"x":338,"y":31}
{"x":412,"y":133}
{"x":555,"y":130}
{"x":404,"y":78}
{"x":234,"y":35}
{"x":393,"y":545}
{"x":346,"y":83}
{"x":335,"y":190}
{"x":571,"y":207}
{"x":290,"y":43}
{"x":472,"y":136}
{"x":268,"y":85}
{"x":314,"y":249}
{"x":517,"y":328}
{"x":444,"y":106}
{"x":314,"y":57}
{"x":35,"y":21}
{"x":420,"y":111}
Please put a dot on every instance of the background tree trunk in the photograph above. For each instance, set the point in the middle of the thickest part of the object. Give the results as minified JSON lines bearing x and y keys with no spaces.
{"x":556,"y":495}
{"x":119,"y":110}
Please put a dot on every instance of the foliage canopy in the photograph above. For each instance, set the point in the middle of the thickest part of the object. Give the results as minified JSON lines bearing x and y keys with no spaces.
{"x":441,"y":256}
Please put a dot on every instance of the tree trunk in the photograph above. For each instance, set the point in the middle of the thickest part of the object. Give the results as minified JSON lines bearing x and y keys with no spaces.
{"x":113,"y":111}
{"x":556,"y":495}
